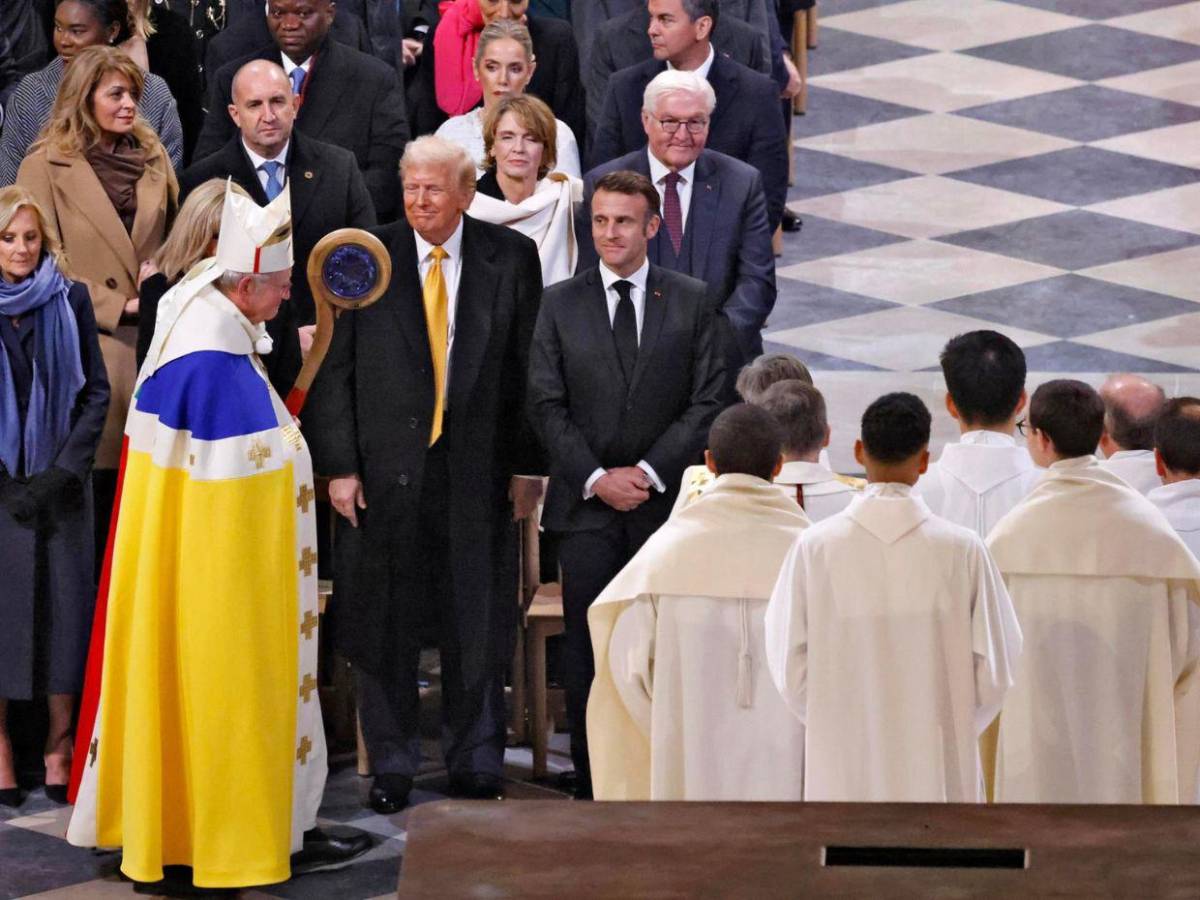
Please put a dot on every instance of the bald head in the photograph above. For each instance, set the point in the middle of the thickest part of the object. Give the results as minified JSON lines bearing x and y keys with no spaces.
{"x":1131,"y":407}
{"x":263,"y":107}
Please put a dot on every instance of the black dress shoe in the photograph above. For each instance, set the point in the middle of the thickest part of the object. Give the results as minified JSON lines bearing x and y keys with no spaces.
{"x":791,"y":222}
{"x":477,"y":786}
{"x":583,"y":791}
{"x":389,"y":793}
{"x":177,"y":882}
{"x":11,"y":797}
{"x":56,"y":792}
{"x":324,"y":850}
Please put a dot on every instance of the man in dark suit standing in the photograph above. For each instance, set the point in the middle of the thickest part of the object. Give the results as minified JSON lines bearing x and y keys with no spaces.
{"x":418,"y":418}
{"x":623,"y":384}
{"x":714,"y":215}
{"x":345,"y":97}
{"x":246,"y":30}
{"x":745,"y":124}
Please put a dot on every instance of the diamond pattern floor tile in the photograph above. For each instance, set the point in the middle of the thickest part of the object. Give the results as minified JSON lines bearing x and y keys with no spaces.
{"x":840,"y":50}
{"x":1074,"y":240}
{"x":834,"y":111}
{"x":934,"y":144}
{"x":917,"y":272}
{"x":943,"y":82}
{"x":1180,"y":83}
{"x":825,"y":237}
{"x":1087,"y":113}
{"x":925,"y":207}
{"x":820,"y":173}
{"x":1178,"y":145}
{"x":1172,"y":341}
{"x":1081,"y":176}
{"x":1067,"y":306}
{"x":1071,"y":358}
{"x":951,"y":24}
{"x":1097,"y":9}
{"x":1090,"y":53}
{"x":1172,"y":273}
{"x":801,"y":303}
{"x":1179,"y":23}
{"x":1177,"y":208}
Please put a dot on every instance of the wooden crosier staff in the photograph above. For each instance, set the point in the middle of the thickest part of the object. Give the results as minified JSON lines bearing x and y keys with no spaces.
{"x":348,"y":269}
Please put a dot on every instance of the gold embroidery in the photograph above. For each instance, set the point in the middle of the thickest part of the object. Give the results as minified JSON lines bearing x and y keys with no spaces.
{"x":308,"y":559}
{"x":258,"y":453}
{"x":303,"y":750}
{"x":291,"y":434}
{"x":95,"y":745}
{"x":309,"y":625}
{"x":307,"y":686}
{"x":306,"y":496}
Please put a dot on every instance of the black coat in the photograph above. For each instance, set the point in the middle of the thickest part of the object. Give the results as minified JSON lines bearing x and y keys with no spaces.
{"x":586,"y":415}
{"x":49,"y":583}
{"x":370,"y":412}
{"x":624,"y":41}
{"x":246,"y":31}
{"x":175,"y":58}
{"x":745,"y":125}
{"x":556,"y":80}
{"x":351,"y":100}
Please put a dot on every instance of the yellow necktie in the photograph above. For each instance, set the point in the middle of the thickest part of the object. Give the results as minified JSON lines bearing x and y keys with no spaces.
{"x":437,"y":311}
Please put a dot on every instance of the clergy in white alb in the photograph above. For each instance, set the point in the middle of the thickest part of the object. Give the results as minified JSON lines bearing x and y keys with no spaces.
{"x":1131,"y":408}
{"x":1104,"y":709}
{"x":890,"y":633}
{"x":799,"y":410}
{"x":986,"y":473}
{"x":682,"y":707}
{"x":1177,"y":453}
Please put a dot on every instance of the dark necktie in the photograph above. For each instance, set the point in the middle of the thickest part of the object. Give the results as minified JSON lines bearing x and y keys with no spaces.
{"x":672,"y":211}
{"x":625,"y":332}
{"x":298,"y":76}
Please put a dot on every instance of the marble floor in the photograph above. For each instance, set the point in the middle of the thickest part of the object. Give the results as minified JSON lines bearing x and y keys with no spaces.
{"x":1031,"y":166}
{"x":1028,"y":165}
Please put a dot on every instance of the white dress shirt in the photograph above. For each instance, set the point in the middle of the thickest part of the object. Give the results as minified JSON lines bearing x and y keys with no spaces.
{"x":289,"y":66}
{"x":451,"y":274}
{"x":658,"y":175}
{"x":637,"y":294}
{"x":702,"y":69}
{"x":257,"y":161}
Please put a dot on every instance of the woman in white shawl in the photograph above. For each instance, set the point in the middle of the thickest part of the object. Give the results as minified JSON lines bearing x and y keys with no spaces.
{"x":521,"y":188}
{"x":504,"y":64}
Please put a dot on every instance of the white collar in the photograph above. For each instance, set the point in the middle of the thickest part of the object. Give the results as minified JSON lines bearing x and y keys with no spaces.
{"x":1132,"y":454}
{"x":888,"y":510}
{"x":986,"y":438}
{"x":256,"y":161}
{"x":799,"y":471}
{"x":1073,"y":463}
{"x":289,"y":66}
{"x":702,"y":69}
{"x":658,"y":171}
{"x":637,"y":279}
{"x":452,"y":246}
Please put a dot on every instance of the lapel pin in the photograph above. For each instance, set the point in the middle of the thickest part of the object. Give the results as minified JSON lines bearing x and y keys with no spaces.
{"x":658,"y":293}
{"x":308,"y":175}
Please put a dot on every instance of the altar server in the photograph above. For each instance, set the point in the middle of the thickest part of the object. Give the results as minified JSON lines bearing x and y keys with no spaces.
{"x":682,"y":707}
{"x":200,"y":738}
{"x":985,"y":474}
{"x":1106,"y":593}
{"x":1177,"y":451}
{"x":890,"y":633}
{"x":1131,"y":407}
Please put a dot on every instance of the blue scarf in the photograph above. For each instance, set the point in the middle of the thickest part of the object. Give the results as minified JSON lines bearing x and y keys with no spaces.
{"x":57,"y":370}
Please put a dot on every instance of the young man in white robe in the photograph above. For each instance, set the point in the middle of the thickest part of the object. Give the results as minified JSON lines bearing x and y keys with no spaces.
{"x":986,"y":473}
{"x":753,"y":383}
{"x":890,"y":633}
{"x":1104,"y":709}
{"x":682,"y":707}
{"x":1177,"y":454}
{"x":1131,"y":407}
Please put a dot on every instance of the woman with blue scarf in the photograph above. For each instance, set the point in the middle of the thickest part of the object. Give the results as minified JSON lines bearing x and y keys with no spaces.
{"x":53,"y":399}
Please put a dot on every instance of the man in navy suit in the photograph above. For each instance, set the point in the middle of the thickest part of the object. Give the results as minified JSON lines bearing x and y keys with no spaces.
{"x":745,"y":124}
{"x":714,"y":215}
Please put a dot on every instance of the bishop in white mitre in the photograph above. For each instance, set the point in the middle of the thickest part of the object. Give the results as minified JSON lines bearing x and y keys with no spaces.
{"x":682,"y":707}
{"x":1106,"y":701}
{"x":983,"y":475}
{"x":890,"y":633}
{"x":1177,"y":451}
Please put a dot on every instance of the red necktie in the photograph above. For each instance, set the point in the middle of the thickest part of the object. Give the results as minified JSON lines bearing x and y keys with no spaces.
{"x":672,"y":211}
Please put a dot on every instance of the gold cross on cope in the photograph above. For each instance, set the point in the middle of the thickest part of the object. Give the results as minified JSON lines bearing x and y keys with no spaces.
{"x":303,"y":750}
{"x":306,"y":496}
{"x":308,"y":559}
{"x":307,"y":686}
{"x":309,"y":625}
{"x":95,"y":745}
{"x":258,"y":454}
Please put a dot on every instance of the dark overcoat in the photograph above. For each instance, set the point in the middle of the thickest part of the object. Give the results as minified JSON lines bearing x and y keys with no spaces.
{"x":49,"y":588}
{"x":370,"y":412}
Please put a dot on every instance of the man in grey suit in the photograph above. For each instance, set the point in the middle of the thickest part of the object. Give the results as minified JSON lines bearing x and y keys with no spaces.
{"x":714,"y":215}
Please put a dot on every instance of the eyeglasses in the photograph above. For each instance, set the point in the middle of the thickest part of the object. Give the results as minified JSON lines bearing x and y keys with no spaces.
{"x":670,"y":126}
{"x":1021,"y":425}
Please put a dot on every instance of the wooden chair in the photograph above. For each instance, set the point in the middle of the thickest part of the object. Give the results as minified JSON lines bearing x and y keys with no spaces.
{"x":542,"y":618}
{"x":804,"y":37}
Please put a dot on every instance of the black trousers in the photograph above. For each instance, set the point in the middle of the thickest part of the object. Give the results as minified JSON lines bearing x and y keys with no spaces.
{"x":473,"y":719}
{"x":590,"y":560}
